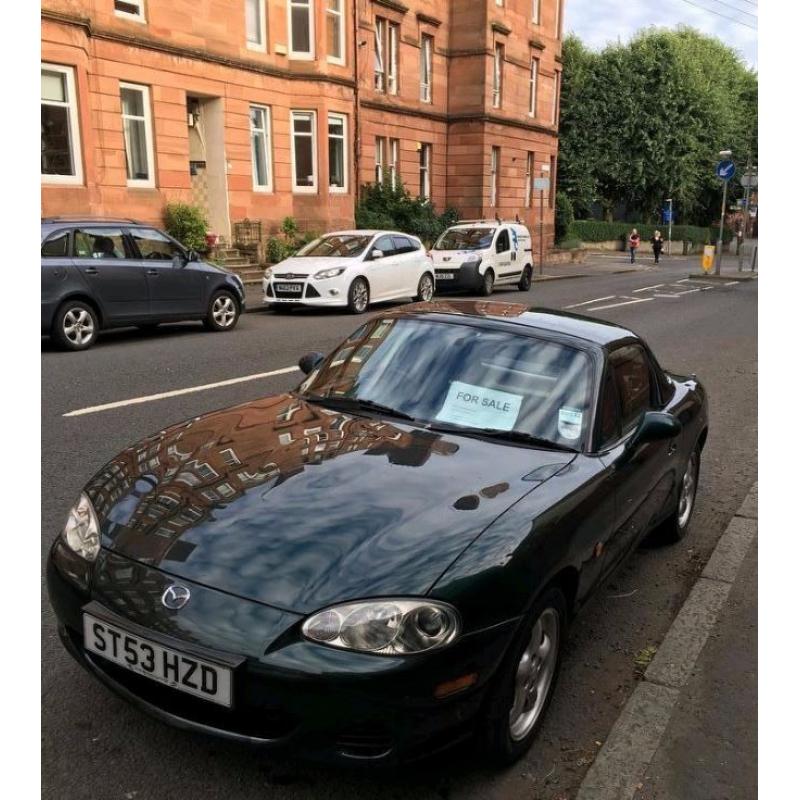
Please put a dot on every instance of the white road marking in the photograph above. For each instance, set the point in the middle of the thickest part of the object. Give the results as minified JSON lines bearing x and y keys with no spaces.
{"x":666,"y":295}
{"x":645,"y":288}
{"x":626,"y":303}
{"x":685,"y":280}
{"x":589,"y":302}
{"x":732,"y":283}
{"x":177,"y":392}
{"x":689,"y":291}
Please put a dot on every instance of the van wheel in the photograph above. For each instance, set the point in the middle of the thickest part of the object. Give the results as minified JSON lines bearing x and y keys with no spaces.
{"x":75,"y":326}
{"x":526,"y":279}
{"x":487,"y":285}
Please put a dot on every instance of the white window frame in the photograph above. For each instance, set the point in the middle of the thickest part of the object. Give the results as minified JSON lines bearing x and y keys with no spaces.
{"x":266,"y":136}
{"x":380,"y":149}
{"x":493,"y":182}
{"x":425,"y":170}
{"x":343,"y":119}
{"x":74,"y":127}
{"x":294,"y":113}
{"x":379,"y":65}
{"x":536,"y":12}
{"x":556,"y":89}
{"x":138,"y":17}
{"x":261,"y":44}
{"x":142,"y":183}
{"x":394,"y":162}
{"x":426,"y":69}
{"x":392,"y":46}
{"x":533,"y":87}
{"x":340,"y":13}
{"x":301,"y":55}
{"x":531,"y":159}
{"x":497,"y":75}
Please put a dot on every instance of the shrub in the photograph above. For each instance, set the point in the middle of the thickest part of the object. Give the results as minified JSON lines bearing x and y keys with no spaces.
{"x":382,"y":206}
{"x":276,"y":250}
{"x":592,"y":230}
{"x":565,"y":216}
{"x":187,"y":224}
{"x":569,"y":244}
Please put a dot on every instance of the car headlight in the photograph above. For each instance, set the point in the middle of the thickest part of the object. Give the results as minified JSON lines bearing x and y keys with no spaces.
{"x":267,"y":273}
{"x":82,"y":533}
{"x":386,"y":627}
{"x":473,"y":258}
{"x":329,"y":273}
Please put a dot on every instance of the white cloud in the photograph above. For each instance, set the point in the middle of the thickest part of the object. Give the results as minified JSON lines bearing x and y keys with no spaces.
{"x":600,"y":22}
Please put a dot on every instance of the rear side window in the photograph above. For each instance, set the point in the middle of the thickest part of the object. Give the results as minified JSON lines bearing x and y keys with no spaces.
{"x":154,"y":245}
{"x":608,"y":418}
{"x":403,"y":245}
{"x":634,"y":383}
{"x":100,"y":243}
{"x":57,"y":246}
{"x":384,"y":244}
{"x":503,"y":242}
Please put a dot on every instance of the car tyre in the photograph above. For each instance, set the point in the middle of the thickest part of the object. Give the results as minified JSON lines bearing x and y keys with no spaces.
{"x":518,"y":699}
{"x":425,"y":289}
{"x":223,"y":312}
{"x":487,"y":284}
{"x":75,"y":325}
{"x":676,"y":526}
{"x":358,"y":296}
{"x":526,"y":279}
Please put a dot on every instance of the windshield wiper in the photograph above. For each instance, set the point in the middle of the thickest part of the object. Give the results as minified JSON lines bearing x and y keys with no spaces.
{"x":358,"y":404}
{"x":506,"y":436}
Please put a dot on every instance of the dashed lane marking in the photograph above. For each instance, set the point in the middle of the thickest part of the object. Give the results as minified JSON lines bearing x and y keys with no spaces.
{"x":626,"y":303}
{"x":645,"y":288}
{"x":589,"y":302}
{"x":177,"y":392}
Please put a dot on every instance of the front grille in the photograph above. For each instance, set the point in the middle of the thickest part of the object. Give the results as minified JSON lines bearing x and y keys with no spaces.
{"x":291,"y":276}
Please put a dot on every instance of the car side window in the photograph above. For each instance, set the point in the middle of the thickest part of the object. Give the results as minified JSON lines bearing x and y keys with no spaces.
{"x":384,"y":244}
{"x":403,"y":245}
{"x":154,"y":245}
{"x":100,"y":243}
{"x":57,"y":246}
{"x":634,"y":383}
{"x":503,"y":242}
{"x":608,"y":416}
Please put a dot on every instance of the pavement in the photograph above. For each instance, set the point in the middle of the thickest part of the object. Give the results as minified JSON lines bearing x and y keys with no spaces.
{"x":132,"y":384}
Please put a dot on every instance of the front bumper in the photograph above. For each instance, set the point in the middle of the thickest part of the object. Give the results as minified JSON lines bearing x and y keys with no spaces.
{"x":330,"y":292}
{"x":466,"y":277}
{"x":321,"y":702}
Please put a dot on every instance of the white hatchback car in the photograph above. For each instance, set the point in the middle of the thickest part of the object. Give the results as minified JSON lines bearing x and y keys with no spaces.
{"x":352,"y":269}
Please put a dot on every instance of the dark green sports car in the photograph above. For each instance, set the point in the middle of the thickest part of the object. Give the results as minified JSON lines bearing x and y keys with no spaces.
{"x":386,"y":560}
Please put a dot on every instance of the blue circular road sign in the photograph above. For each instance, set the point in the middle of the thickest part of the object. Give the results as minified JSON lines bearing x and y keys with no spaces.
{"x":725,"y":170}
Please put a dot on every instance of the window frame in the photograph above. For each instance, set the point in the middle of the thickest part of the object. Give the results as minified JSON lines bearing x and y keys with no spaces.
{"x":380,"y":148}
{"x":136,"y":250}
{"x":266,"y":133}
{"x":140,"y":17}
{"x":536,"y":12}
{"x":426,"y":69}
{"x":74,"y":125}
{"x":497,"y":74}
{"x":654,"y":401}
{"x":530,"y":162}
{"x":393,"y":161}
{"x":140,"y":183}
{"x":533,"y":88}
{"x":425,"y":158}
{"x":494,"y":172}
{"x":261,"y":45}
{"x":556,"y":92}
{"x":340,"y":13}
{"x":57,"y":234}
{"x":301,"y":55}
{"x":293,"y":113}
{"x":338,"y":115}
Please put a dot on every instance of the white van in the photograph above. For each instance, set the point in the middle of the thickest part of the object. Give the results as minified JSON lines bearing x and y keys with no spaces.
{"x":478,"y":255}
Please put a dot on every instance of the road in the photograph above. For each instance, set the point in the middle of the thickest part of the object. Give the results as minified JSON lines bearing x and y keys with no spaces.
{"x":95,"y":746}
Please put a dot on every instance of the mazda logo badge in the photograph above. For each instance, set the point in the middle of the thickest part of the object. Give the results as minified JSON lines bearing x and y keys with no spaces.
{"x":175,"y":597}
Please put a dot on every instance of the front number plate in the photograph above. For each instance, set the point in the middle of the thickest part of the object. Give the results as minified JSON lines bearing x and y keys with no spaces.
{"x":289,"y":287}
{"x":447,"y":276}
{"x":187,"y":674}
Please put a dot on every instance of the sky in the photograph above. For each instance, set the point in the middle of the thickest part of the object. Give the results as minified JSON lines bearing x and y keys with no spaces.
{"x":598,"y":22}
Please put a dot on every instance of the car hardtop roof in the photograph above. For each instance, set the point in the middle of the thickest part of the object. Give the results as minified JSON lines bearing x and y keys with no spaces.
{"x":73,"y":220}
{"x":546,"y":320}
{"x":489,"y":223}
{"x":368,"y":232}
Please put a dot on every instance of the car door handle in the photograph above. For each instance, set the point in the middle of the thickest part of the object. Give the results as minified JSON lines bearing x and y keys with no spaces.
{"x":91,"y":270}
{"x":152,"y":272}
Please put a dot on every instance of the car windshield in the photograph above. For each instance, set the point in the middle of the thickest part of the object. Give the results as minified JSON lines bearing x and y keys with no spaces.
{"x":460,"y":377}
{"x":338,"y":246}
{"x":465,"y":239}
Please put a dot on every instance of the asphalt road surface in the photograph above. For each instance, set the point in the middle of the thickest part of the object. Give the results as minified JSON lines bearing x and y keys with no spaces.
{"x":96,"y":746}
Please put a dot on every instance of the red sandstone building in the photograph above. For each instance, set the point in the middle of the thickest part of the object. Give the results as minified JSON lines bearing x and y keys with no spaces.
{"x":261,"y":109}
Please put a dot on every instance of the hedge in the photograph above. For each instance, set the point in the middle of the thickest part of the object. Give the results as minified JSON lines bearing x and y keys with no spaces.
{"x":590,"y":230}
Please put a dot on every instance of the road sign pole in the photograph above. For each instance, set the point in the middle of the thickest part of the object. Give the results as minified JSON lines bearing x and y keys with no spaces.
{"x":669,"y":240}
{"x":721,"y":226}
{"x":541,"y":231}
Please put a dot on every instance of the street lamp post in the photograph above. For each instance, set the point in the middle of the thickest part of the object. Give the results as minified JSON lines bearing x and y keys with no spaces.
{"x":723,"y":154}
{"x":669,"y":235}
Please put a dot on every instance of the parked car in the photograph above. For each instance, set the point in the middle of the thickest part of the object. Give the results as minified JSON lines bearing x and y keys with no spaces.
{"x":106,"y":273}
{"x":477,"y":256}
{"x":386,"y":559}
{"x":352,"y":269}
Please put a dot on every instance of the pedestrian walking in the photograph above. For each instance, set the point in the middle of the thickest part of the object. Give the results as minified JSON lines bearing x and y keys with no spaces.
{"x":658,"y":245}
{"x":634,"y":240}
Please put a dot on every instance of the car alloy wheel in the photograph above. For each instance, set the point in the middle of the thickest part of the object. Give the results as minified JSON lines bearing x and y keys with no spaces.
{"x":688,"y":490}
{"x":425,"y":289}
{"x":535,"y":671}
{"x":78,"y":326}
{"x":359,"y":296}
{"x":224,"y":311}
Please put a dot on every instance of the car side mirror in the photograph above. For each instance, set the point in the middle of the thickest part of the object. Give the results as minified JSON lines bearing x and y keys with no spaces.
{"x":655,"y":426}
{"x":192,"y":255}
{"x":178,"y":261}
{"x":309,"y":361}
{"x":376,"y":254}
